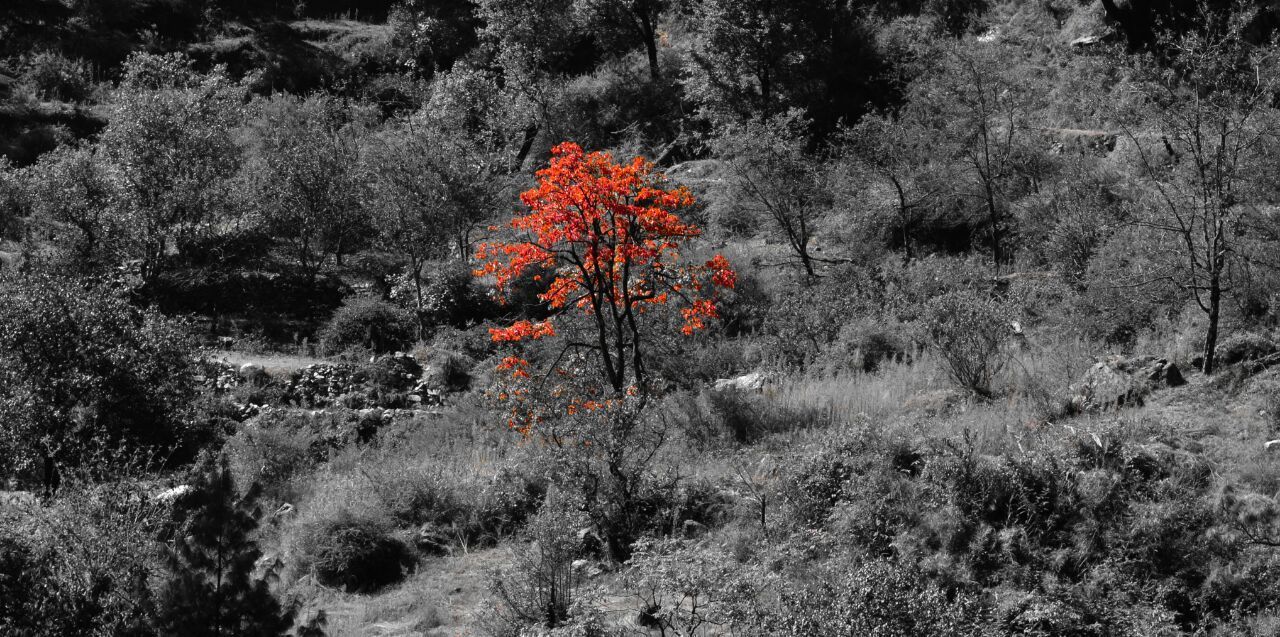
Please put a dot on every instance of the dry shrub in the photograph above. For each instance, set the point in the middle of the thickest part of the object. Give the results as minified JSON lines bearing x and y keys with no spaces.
{"x":358,"y":554}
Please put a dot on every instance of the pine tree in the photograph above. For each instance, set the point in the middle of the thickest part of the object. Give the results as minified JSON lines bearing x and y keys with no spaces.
{"x":212,"y":591}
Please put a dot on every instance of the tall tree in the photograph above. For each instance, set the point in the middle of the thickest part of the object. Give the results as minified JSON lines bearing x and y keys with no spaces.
{"x":755,"y":59}
{"x":78,"y":363}
{"x":770,"y":176}
{"x":430,"y":190}
{"x":72,"y":193}
{"x":434,"y":34}
{"x":976,"y":106}
{"x":883,"y":153}
{"x":611,"y":235}
{"x":171,"y":147}
{"x":634,"y":20}
{"x":308,"y":178}
{"x":1212,"y":165}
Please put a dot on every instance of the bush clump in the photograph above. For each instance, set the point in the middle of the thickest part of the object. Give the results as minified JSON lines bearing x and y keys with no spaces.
{"x":52,"y":76}
{"x":969,"y":330}
{"x":369,"y":323}
{"x":359,"y":555}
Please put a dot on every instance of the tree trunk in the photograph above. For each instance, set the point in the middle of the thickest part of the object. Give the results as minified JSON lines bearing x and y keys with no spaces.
{"x":526,"y":146}
{"x":417,"y":289}
{"x":651,"y":46}
{"x":997,"y":253}
{"x":902,"y":218}
{"x":1211,"y":335}
{"x":807,"y":262}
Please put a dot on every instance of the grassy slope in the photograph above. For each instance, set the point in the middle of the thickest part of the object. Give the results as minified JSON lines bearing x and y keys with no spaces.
{"x":446,"y":595}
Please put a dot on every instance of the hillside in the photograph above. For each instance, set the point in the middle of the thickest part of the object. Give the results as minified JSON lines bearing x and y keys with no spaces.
{"x":639,"y":317}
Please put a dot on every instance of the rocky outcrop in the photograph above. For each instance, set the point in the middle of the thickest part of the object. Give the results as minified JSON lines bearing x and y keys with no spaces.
{"x":1121,"y":381}
{"x":755,"y":381}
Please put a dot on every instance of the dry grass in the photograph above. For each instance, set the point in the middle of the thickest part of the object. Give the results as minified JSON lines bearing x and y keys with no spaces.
{"x":845,"y":398}
{"x":279,"y":365}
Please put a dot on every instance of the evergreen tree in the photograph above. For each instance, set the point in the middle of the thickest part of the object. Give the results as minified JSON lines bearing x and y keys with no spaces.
{"x":212,"y":591}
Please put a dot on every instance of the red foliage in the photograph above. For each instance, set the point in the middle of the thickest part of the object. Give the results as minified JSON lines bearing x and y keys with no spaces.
{"x":610,"y":234}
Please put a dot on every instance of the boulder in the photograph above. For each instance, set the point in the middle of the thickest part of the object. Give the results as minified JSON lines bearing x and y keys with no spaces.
{"x":755,"y":381}
{"x":1121,"y":381}
{"x":254,"y":374}
{"x":169,"y":496}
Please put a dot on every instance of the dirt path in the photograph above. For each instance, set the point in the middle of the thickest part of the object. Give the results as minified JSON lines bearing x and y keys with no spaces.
{"x":443,"y":599}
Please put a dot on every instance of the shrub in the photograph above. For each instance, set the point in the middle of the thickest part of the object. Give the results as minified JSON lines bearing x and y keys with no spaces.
{"x":684,"y":589}
{"x":418,"y":495}
{"x":52,"y":76}
{"x":747,"y":417}
{"x":1244,"y":347}
{"x":541,"y":587}
{"x":369,"y":323}
{"x":451,"y":296}
{"x":698,"y":364}
{"x":273,"y":454}
{"x":968,"y":330}
{"x":818,"y":484}
{"x":878,"y":597}
{"x":864,"y":345}
{"x":474,"y":343}
{"x":455,"y":372}
{"x":80,"y":363}
{"x":81,"y":565}
{"x":358,"y":554}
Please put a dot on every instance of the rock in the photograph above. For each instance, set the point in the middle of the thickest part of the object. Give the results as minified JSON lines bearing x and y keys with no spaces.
{"x":1086,"y":41}
{"x":693,"y":528}
{"x":1121,"y":381}
{"x":755,"y":381}
{"x":254,"y":374}
{"x":1272,"y":444}
{"x":169,"y":496}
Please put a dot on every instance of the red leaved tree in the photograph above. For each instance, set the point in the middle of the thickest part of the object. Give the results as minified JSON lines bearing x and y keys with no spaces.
{"x":609,"y":235}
